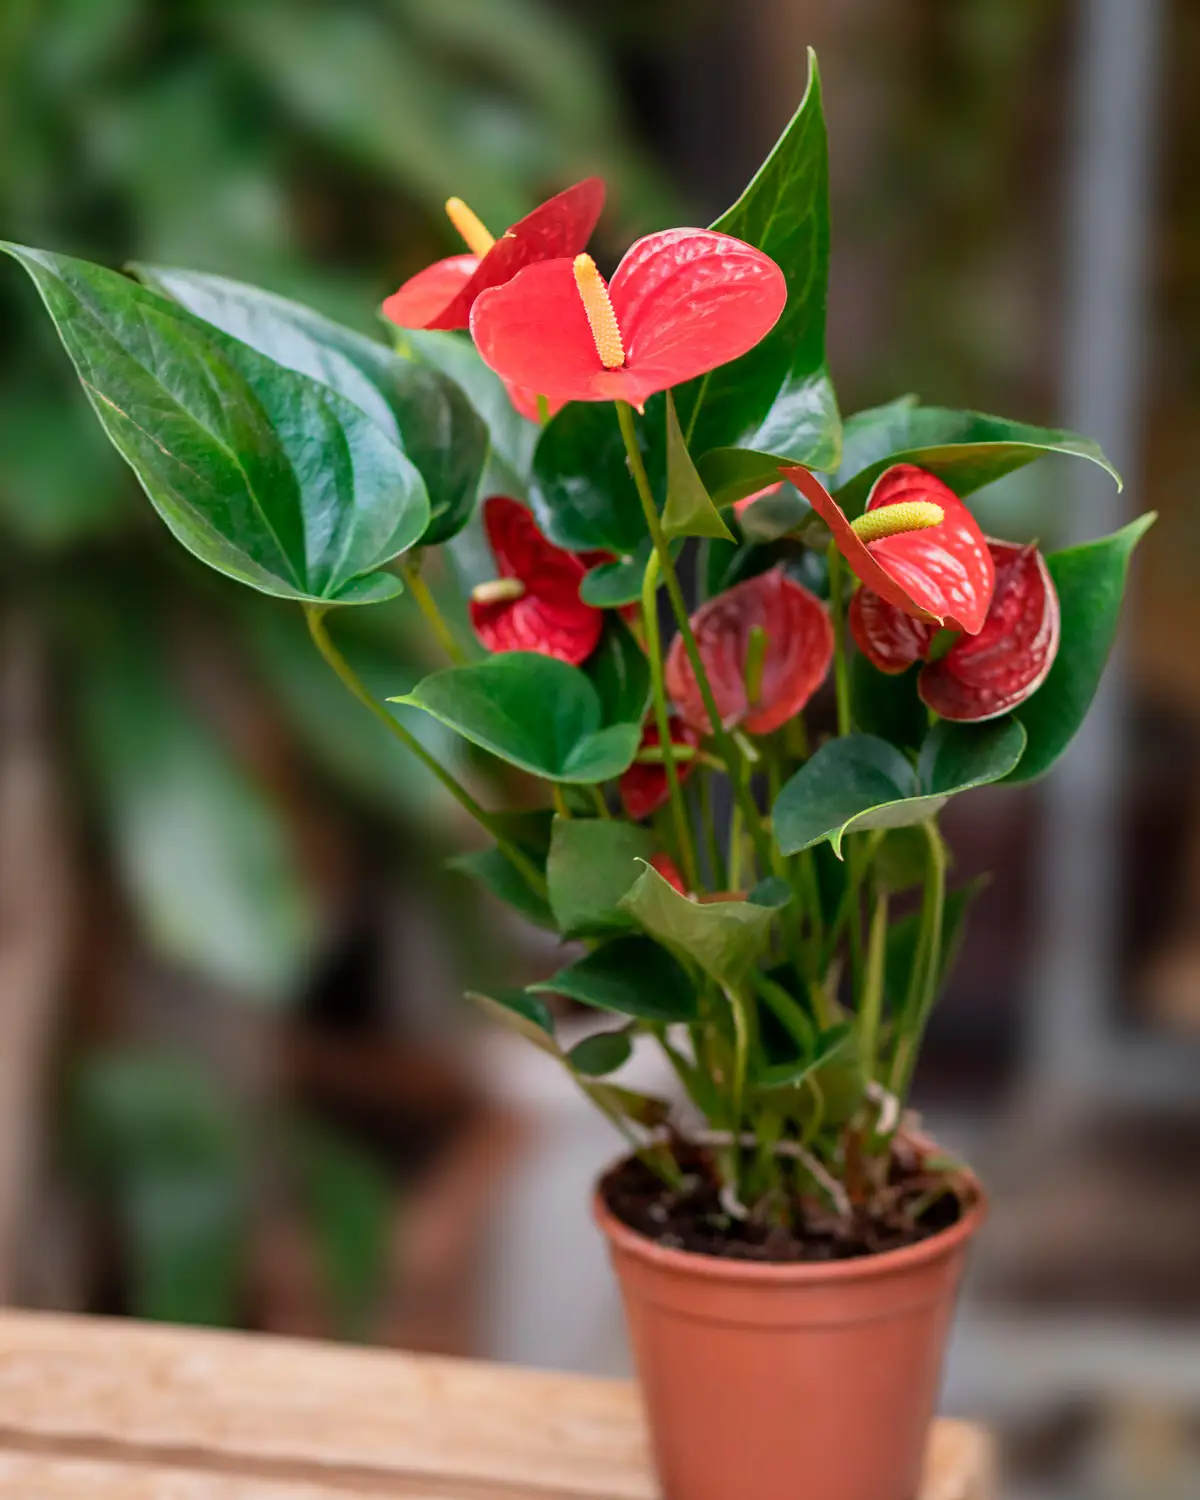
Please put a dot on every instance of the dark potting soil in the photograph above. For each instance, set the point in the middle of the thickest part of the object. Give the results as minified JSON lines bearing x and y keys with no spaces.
{"x":694,"y":1218}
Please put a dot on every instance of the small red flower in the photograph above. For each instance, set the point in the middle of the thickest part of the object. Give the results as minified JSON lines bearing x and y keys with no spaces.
{"x":442,"y":295}
{"x":681,"y":303}
{"x":766,"y":645}
{"x":984,"y":675}
{"x":644,"y":787}
{"x":941,"y":573}
{"x":534,"y":605}
{"x":669,"y":871}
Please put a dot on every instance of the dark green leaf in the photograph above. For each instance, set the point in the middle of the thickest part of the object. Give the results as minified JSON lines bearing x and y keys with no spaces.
{"x":621,"y":674}
{"x":533,"y":711}
{"x":778,"y":399}
{"x":773,"y":516}
{"x":421,"y":410}
{"x":1090,"y":580}
{"x":792,"y":1074}
{"x":265,"y":475}
{"x":688,"y":511}
{"x":888,"y":706}
{"x":723,"y":937}
{"x":582,"y":492}
{"x":523,"y":1013}
{"x":632,"y":976}
{"x":611,"y":584}
{"x":967,"y":449}
{"x":774,"y":891}
{"x":860,"y":782}
{"x":496,"y":871}
{"x":601,"y":1054}
{"x":593,"y":863}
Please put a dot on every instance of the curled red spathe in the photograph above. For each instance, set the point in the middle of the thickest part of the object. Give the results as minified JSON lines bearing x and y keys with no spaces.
{"x":798,"y":649}
{"x":942,"y":574}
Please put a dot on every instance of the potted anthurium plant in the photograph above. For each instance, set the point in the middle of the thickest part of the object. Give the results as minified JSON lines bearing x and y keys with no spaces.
{"x":687,"y":542}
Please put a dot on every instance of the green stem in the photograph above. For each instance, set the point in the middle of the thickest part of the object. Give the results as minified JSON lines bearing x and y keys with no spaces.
{"x":516,"y":856}
{"x":870,"y":1008}
{"x":725,"y":743}
{"x":927,"y":965}
{"x":837,"y":613}
{"x":410,"y":572}
{"x":662,"y":718}
{"x":708,"y":825}
{"x":560,"y":801}
{"x":601,"y":805}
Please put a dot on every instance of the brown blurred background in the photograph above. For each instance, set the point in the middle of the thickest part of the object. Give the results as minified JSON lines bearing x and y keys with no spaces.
{"x":237,"y":1081}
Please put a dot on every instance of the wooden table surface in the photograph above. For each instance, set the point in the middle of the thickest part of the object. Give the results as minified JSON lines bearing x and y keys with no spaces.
{"x":104,"y":1410}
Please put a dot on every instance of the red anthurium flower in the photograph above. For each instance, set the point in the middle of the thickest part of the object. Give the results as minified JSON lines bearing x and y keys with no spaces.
{"x":928,"y":557}
{"x":644,"y":788}
{"x":534,"y":604}
{"x":442,"y":295}
{"x":681,"y":303}
{"x":766,"y":645}
{"x":985,"y":674}
{"x":669,"y":871}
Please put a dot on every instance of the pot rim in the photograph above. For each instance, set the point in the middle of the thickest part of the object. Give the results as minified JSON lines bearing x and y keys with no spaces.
{"x":696,"y":1263}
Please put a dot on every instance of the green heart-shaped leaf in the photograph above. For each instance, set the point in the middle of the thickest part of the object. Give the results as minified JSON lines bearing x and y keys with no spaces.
{"x":601,"y":1054}
{"x":523,"y":1013}
{"x":723,"y":937}
{"x":593,"y":863}
{"x":688,"y":511}
{"x":887,"y":704}
{"x":632,"y":976}
{"x":420,"y":409}
{"x":533,"y":711}
{"x":621,"y":674}
{"x":779,"y":399}
{"x":1090,"y":580}
{"x":860,"y":782}
{"x":581,"y":491}
{"x":263,"y":474}
{"x":967,"y":449}
{"x":609,"y":585}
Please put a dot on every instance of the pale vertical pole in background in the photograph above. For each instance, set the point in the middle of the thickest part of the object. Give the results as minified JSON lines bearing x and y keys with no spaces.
{"x":1110,"y":229}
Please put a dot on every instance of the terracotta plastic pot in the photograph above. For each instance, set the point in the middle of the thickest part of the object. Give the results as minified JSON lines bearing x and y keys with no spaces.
{"x":790,"y":1382}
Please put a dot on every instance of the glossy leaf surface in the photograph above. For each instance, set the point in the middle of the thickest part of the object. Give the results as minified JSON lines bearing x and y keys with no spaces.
{"x":859,"y":782}
{"x":631,"y":976}
{"x":263,"y":474}
{"x":688,"y":511}
{"x":621,"y":674}
{"x":778,"y":400}
{"x":1090,"y":580}
{"x":535,"y":712}
{"x":966,"y":449}
{"x":423,"y":411}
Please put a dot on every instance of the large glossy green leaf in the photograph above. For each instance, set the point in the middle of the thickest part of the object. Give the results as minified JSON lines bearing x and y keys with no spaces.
{"x":593,"y":863}
{"x":423,"y":411}
{"x":611,"y":584}
{"x":534,"y":712}
{"x":688,"y":511}
{"x":886,"y":704}
{"x":513,"y":437}
{"x":723,"y":937}
{"x":632,"y":976}
{"x":1090,"y":580}
{"x":205,"y":856}
{"x":778,"y":400}
{"x":860,"y":782}
{"x":967,"y":449}
{"x":262,"y":473}
{"x":582,"y":492}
